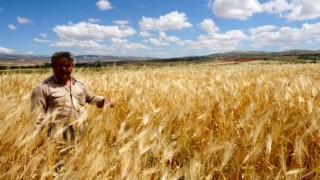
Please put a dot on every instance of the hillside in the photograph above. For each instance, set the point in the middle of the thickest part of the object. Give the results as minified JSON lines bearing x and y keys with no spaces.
{"x":292,"y":56}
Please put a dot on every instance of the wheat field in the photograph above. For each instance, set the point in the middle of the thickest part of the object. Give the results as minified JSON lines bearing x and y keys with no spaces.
{"x":245,"y":121}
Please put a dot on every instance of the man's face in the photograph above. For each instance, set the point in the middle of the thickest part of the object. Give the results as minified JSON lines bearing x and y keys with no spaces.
{"x":62,"y":69}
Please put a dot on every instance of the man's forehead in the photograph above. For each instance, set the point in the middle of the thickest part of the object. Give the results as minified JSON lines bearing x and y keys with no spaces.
{"x":62,"y":62}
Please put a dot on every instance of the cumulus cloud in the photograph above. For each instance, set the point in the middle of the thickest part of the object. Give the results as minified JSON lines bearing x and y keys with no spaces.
{"x":262,"y":29}
{"x":285,"y":36}
{"x":91,"y":37}
{"x":145,"y":34}
{"x":22,"y":20}
{"x":123,"y":44}
{"x":214,"y":40}
{"x":163,"y":39}
{"x":118,"y":45}
{"x":93,"y":20}
{"x":209,"y":26}
{"x":157,"y":42}
{"x":304,"y":9}
{"x":84,"y":30}
{"x":41,"y":40}
{"x":6,"y":50}
{"x":104,"y":5}
{"x":119,"y":22}
{"x":292,"y":10}
{"x":43,"y":35}
{"x":171,"y":21}
{"x":163,"y":36}
{"x":77,"y":43}
{"x":12,"y":27}
{"x":235,"y":9}
{"x":276,"y":6}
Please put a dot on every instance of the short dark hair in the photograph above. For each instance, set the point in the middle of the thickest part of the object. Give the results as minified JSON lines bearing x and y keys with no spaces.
{"x":64,"y":56}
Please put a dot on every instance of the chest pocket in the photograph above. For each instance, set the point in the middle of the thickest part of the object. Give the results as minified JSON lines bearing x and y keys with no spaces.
{"x":58,"y":98}
{"x":80,"y":96}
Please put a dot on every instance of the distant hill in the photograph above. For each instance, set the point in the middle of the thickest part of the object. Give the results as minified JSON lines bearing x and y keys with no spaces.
{"x":23,"y":57}
{"x":93,"y":58}
{"x":298,"y":56}
{"x":102,"y":58}
{"x":264,"y":53}
{"x":79,"y":58}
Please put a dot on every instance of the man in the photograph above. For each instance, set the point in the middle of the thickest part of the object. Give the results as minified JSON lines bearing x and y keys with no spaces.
{"x":59,"y":101}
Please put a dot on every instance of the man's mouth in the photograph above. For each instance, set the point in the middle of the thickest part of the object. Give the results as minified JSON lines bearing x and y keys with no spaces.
{"x":64,"y":73}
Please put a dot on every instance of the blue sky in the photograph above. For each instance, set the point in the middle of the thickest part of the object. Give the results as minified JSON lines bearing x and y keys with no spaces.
{"x":157,"y":28}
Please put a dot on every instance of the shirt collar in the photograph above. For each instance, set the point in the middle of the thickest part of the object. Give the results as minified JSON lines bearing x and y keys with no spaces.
{"x":73,"y":80}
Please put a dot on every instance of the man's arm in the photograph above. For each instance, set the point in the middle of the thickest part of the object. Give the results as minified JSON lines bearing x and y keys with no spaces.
{"x":99,"y":101}
{"x":38,"y":105}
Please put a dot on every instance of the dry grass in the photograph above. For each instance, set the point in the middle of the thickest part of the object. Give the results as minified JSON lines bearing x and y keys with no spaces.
{"x":190,"y":122}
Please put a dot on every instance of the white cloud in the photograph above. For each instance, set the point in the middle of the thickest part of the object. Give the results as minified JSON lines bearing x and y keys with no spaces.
{"x":286,"y":36}
{"x":214,"y":40}
{"x":311,"y":29}
{"x":276,"y":6}
{"x":209,"y":26}
{"x":160,"y":53}
{"x":92,"y":46}
{"x":311,"y":32}
{"x":93,"y":20}
{"x":157,"y":42}
{"x":261,"y":29}
{"x":123,"y":44}
{"x":292,"y":10}
{"x":43,"y":35}
{"x":12,"y":27}
{"x":119,"y":22}
{"x":77,"y":43}
{"x":6,"y":50}
{"x":304,"y":9}
{"x":145,"y":34}
{"x":163,"y":39}
{"x":41,"y":40}
{"x":171,"y":21}
{"x":235,"y":9}
{"x":283,"y":36}
{"x":119,"y":41}
{"x":104,"y":5}
{"x":118,"y":45}
{"x":22,"y":20}
{"x":85,"y":30}
{"x":91,"y":36}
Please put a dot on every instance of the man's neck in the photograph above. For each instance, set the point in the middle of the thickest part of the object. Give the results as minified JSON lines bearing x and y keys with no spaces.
{"x":65,"y":82}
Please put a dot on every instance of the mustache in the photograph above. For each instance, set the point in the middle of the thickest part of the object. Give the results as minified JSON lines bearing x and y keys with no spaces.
{"x":64,"y":72}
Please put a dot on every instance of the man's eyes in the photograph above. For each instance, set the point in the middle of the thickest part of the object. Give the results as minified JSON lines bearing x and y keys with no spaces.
{"x":63,"y":65}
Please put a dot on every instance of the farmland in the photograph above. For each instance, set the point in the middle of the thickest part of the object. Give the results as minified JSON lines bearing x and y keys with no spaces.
{"x":187,"y":121}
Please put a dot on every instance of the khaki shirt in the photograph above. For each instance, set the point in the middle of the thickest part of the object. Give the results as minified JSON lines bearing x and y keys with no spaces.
{"x":54,"y":102}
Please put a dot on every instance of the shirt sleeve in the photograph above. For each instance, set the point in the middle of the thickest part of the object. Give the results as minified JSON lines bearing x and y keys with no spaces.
{"x":38,"y":105}
{"x":93,"y":99}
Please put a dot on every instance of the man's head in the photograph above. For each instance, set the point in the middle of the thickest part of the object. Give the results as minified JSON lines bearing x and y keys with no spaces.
{"x":62,"y":64}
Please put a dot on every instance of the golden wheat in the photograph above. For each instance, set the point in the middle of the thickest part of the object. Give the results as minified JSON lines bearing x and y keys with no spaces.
{"x":194,"y":122}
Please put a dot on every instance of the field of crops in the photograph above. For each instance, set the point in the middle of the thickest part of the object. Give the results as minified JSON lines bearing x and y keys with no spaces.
{"x":244,"y":121}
